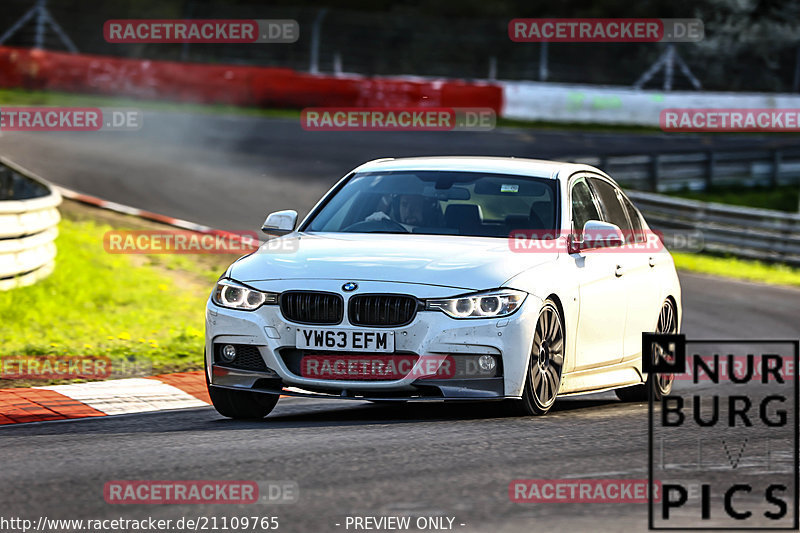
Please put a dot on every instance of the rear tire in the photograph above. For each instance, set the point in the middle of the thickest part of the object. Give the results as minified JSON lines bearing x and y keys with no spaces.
{"x":546,"y":362}
{"x":661,"y":384}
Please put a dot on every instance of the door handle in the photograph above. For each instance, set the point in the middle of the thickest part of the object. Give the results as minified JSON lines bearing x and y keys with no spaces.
{"x":619,"y":271}
{"x":652,"y":261}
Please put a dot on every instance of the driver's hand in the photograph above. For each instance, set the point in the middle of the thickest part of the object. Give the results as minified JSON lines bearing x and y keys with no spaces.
{"x":377,"y":215}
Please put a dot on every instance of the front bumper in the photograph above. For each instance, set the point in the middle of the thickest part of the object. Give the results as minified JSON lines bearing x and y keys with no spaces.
{"x":430,"y":333}
{"x":428,"y":389}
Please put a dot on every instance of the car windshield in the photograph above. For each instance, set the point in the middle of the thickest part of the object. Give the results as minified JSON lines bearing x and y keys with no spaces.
{"x":439,"y":203}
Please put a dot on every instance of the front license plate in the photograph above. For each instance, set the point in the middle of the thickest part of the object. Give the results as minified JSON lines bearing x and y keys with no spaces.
{"x":345,"y":340}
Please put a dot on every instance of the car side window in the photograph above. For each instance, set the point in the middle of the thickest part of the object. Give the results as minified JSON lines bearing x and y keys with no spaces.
{"x":637,"y":234}
{"x":583,"y":206}
{"x":610,"y":205}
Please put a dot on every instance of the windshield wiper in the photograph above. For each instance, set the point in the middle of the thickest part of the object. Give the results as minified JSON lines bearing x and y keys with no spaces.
{"x":379,"y":231}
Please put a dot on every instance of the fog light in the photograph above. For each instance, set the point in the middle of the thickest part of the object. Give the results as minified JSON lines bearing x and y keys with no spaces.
{"x":487,"y":363}
{"x":228,"y":353}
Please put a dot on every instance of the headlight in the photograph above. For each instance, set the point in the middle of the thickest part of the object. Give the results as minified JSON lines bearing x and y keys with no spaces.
{"x":234,"y":295}
{"x":497,"y":303}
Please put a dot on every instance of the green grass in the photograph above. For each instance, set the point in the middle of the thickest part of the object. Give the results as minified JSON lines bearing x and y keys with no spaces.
{"x":731,"y":267}
{"x":187,"y":264}
{"x":783,"y":198}
{"x":576,"y":126}
{"x":142,"y":308}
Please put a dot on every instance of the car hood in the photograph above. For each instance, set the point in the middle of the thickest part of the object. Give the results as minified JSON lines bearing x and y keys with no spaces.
{"x":472,"y":263}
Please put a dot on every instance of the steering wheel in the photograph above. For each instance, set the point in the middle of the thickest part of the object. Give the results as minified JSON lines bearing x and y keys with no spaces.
{"x":384,"y":224}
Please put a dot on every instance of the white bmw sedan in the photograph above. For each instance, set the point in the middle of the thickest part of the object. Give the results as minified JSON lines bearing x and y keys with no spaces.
{"x":446,"y":278}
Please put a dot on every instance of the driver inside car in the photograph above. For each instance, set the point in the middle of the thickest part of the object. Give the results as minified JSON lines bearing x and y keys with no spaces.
{"x":406,"y":209}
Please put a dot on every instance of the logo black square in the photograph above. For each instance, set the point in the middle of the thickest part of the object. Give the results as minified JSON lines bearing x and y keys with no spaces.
{"x":663,"y":353}
{"x":687,"y":463}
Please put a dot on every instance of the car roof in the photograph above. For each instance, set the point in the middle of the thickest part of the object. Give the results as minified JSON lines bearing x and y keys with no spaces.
{"x":539,"y":168}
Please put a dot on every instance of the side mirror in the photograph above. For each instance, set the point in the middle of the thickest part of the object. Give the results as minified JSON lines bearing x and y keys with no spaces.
{"x":596,"y":234}
{"x":280,"y":222}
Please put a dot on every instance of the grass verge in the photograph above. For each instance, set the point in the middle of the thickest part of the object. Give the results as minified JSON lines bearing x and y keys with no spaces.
{"x":783,"y":198}
{"x":143,"y":308}
{"x":741,"y":269}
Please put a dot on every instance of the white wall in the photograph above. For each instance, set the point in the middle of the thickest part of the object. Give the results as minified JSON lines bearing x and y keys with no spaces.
{"x":555,"y":102}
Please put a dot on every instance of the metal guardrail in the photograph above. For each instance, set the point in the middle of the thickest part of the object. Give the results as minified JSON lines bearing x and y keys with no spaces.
{"x":28,"y":227}
{"x":740,"y":231}
{"x":700,"y":170}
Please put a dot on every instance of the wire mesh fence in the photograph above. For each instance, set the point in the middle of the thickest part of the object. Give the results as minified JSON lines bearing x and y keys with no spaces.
{"x":413,"y":41}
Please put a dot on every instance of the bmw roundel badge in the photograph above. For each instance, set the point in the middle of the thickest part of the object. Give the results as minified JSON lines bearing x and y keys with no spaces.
{"x":349,"y":286}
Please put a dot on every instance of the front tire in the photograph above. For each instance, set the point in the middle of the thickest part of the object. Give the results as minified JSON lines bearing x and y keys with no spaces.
{"x":241,"y":405}
{"x":545,"y":366}
{"x":661,"y":384}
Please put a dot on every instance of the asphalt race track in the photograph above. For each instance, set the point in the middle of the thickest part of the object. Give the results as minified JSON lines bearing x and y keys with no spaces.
{"x":348,"y":458}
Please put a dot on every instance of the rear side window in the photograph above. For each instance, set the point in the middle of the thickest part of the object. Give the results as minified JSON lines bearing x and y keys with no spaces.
{"x":612,"y":209}
{"x":583,"y":207}
{"x":636,"y":222}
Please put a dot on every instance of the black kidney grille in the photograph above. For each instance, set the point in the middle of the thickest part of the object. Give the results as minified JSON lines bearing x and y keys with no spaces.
{"x":312,"y":307}
{"x":382,"y":309}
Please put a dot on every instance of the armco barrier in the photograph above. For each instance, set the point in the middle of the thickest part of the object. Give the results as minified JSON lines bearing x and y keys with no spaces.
{"x":230,"y":84}
{"x":746,"y":232}
{"x":28,"y":227}
{"x":701,"y":170}
{"x":588,"y":104}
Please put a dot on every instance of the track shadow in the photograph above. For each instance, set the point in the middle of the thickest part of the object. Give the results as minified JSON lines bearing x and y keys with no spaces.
{"x":329,"y":414}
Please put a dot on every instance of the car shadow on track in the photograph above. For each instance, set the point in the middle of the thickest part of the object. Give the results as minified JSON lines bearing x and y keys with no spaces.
{"x":326,"y":414}
{"x":321,"y":413}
